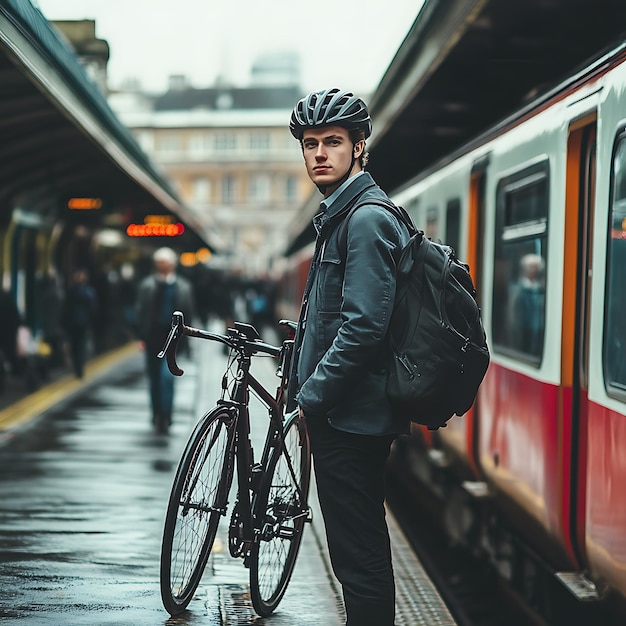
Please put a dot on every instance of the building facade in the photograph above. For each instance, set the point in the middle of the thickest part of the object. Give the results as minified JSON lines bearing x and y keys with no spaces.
{"x":230,"y":156}
{"x":226,"y":150}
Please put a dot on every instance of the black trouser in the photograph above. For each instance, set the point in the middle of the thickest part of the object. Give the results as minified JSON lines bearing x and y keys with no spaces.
{"x":349,"y":471}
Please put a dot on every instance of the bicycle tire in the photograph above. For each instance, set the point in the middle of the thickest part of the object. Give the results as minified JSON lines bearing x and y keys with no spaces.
{"x":197,"y":501}
{"x":281,"y":513}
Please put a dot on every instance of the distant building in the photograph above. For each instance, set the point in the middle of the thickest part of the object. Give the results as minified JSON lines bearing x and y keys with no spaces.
{"x":229,"y":154}
{"x":275,"y":69}
{"x":227,"y":150}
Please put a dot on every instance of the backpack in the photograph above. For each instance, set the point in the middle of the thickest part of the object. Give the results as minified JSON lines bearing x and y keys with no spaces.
{"x":438,"y":353}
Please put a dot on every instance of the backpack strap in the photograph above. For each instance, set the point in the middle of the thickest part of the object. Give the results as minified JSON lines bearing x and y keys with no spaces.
{"x":400,"y":214}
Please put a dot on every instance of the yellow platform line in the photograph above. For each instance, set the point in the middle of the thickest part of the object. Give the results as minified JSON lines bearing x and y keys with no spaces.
{"x":47,"y":396}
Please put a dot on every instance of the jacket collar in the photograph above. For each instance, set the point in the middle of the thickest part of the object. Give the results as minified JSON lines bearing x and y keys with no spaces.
{"x":347,"y":195}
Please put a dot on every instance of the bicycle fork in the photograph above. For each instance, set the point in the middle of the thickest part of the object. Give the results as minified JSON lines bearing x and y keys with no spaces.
{"x":219,"y":504}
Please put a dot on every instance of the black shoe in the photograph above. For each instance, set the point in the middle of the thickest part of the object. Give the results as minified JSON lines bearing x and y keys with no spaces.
{"x":162,"y":423}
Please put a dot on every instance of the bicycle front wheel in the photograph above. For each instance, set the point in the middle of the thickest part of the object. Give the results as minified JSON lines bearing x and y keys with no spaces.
{"x":197,"y":501}
{"x":282,"y":510}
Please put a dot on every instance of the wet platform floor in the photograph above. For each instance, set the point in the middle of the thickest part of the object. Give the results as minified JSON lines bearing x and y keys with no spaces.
{"x":83,"y":492}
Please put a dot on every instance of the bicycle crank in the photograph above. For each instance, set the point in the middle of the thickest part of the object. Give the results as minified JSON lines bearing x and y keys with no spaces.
{"x":236,"y":543}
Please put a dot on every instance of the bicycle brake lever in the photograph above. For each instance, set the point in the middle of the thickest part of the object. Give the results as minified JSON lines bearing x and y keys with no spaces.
{"x":171,"y":344}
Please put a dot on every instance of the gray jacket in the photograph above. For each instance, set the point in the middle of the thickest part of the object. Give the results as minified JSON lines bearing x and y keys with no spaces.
{"x":147,"y":326}
{"x":341,"y":341}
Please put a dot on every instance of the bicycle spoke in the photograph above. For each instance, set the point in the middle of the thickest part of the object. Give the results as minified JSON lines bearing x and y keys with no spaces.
{"x":282,"y":502}
{"x":196,"y":504}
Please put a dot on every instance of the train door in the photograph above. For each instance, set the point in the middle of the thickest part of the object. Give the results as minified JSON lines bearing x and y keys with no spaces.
{"x":476,"y":221}
{"x":604,"y":439}
{"x":577,"y":273}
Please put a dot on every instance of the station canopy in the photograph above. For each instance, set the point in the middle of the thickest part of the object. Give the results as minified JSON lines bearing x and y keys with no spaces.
{"x":61,"y":142}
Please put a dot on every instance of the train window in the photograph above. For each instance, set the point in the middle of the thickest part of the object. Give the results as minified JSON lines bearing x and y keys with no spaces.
{"x":520,"y":264}
{"x":453,"y":224}
{"x":615,"y":297}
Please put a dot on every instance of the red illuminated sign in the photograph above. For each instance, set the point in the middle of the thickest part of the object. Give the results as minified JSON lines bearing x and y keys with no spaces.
{"x":155,"y":230}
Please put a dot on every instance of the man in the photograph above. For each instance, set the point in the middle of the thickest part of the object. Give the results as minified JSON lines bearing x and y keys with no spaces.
{"x":338,"y":372}
{"x":158,"y":297}
{"x":81,"y":305}
{"x":9,"y":325}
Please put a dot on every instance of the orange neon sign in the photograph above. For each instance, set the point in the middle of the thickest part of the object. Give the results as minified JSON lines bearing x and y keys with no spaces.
{"x":84,"y":204}
{"x":155,"y":230}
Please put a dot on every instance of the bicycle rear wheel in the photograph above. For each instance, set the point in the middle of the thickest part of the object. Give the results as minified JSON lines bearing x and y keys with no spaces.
{"x":197,"y":501}
{"x":281,"y":509}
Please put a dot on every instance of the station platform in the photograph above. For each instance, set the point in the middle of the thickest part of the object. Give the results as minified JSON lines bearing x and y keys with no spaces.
{"x":115,"y":384}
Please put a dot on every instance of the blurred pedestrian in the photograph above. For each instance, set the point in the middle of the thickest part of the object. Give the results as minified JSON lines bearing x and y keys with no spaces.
{"x":528,"y":305}
{"x":51,"y":311}
{"x":9,"y":323}
{"x":28,"y":362}
{"x":128,"y":294}
{"x":159,"y":295}
{"x":79,"y":312}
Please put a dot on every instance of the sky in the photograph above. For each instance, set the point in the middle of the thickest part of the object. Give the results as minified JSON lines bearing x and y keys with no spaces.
{"x":340,"y":43}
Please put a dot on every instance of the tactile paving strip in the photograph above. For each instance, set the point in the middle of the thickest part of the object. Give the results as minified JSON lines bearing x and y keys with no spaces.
{"x":418,"y":602}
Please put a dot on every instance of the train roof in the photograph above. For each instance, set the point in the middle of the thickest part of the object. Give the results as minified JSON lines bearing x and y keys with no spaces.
{"x":465,"y":64}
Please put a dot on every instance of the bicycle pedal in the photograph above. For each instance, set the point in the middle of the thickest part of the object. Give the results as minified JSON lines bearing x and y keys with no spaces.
{"x":309,"y":516}
{"x":286,"y":532}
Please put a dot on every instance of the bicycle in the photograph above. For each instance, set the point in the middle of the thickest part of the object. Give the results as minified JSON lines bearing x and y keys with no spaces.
{"x":270,"y":509}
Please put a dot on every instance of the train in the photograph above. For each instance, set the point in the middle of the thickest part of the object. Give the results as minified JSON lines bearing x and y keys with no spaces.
{"x":534,"y":475}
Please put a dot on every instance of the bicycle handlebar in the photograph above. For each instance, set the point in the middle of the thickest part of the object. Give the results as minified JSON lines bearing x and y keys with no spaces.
{"x":242,"y":338}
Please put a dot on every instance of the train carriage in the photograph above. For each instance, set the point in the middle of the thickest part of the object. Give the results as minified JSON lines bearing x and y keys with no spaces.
{"x":537,"y":206}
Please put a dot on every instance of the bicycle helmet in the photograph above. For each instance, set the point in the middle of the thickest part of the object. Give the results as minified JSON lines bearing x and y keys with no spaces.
{"x":330,"y":107}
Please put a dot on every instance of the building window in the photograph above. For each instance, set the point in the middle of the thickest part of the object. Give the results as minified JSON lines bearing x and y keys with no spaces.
{"x":225,"y":141}
{"x":170,"y":143}
{"x":614,"y":344}
{"x":199,"y":144}
{"x":201,"y":190}
{"x":291,"y":189}
{"x":519,"y":303}
{"x":260,"y":141}
{"x":228,"y":189}
{"x":259,"y":188}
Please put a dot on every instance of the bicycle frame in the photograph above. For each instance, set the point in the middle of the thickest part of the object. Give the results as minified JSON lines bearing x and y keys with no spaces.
{"x":248,"y":472}
{"x":247,"y":478}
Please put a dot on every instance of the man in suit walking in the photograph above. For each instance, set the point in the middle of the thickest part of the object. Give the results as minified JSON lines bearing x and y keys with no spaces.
{"x":159,"y":295}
